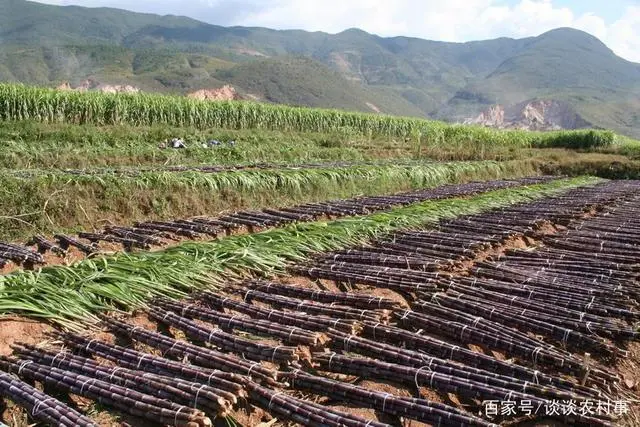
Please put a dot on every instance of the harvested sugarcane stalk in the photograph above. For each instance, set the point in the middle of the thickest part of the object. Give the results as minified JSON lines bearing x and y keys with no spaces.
{"x":45,"y":245}
{"x":199,"y":355}
{"x":228,"y":342}
{"x":121,"y":398}
{"x":324,"y":297}
{"x":200,"y":397}
{"x":313,"y":308}
{"x":303,"y":412}
{"x":313,"y":323}
{"x":132,"y":359}
{"x":287,"y":334}
{"x":40,"y":406}
{"x":66,"y":241}
{"x":416,"y":409}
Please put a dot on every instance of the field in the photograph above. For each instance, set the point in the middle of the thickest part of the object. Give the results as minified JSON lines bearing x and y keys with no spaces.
{"x":326,"y":269}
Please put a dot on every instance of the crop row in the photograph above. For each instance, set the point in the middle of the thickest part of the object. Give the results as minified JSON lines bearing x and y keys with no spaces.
{"x":128,"y":280}
{"x":144,"y":235}
{"x":49,"y":201}
{"x":47,"y":105}
{"x":438,"y":339}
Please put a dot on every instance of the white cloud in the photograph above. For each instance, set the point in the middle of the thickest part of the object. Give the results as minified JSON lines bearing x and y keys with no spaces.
{"x":623,"y":35}
{"x":448,"y":20}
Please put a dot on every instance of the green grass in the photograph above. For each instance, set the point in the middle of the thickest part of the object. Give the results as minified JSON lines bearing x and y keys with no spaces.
{"x":48,"y":201}
{"x":30,"y":144}
{"x":595,"y":164}
{"x":72,"y":295}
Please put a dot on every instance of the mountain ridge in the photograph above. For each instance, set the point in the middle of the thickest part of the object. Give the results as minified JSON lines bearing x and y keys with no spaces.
{"x":352,"y":69}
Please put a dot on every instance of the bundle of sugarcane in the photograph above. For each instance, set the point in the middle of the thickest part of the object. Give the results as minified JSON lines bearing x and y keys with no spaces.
{"x":562,"y":299}
{"x":508,"y":271}
{"x":206,"y":357}
{"x":312,"y":307}
{"x":401,"y":273}
{"x":45,"y":245}
{"x":217,"y":223}
{"x":197,"y":227}
{"x":66,"y":241}
{"x":144,"y":237}
{"x":313,"y":323}
{"x":386,"y":258}
{"x":486,"y":232}
{"x":304,"y":412}
{"x":412,"y":408}
{"x":585,"y":328}
{"x":463,"y":291}
{"x":262,"y":218}
{"x":510,"y":375}
{"x":593,"y":251}
{"x":576,"y":270}
{"x":466,"y":333}
{"x":366,"y":275}
{"x":524,"y":290}
{"x":287,"y":215}
{"x":412,"y":249}
{"x":206,"y":398}
{"x":20,"y":254}
{"x":124,"y":399}
{"x":438,"y":313}
{"x":40,"y":406}
{"x":422,"y":244}
{"x":169,"y":227}
{"x":590,"y":244}
{"x":551,"y":257}
{"x":223,"y":381}
{"x":513,"y":321}
{"x":372,"y":368}
{"x":424,"y":377}
{"x":225,"y":341}
{"x":287,"y":334}
{"x":324,"y":297}
{"x":466,"y":362}
{"x":466,"y":241}
{"x":570,"y":276}
{"x":568,"y":255}
{"x":127,"y":244}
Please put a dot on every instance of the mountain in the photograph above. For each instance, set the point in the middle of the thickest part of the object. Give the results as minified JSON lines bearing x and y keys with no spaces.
{"x":48,"y":45}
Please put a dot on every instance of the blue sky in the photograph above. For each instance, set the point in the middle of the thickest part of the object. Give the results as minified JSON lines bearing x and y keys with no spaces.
{"x":615,"y":22}
{"x":609,"y":10}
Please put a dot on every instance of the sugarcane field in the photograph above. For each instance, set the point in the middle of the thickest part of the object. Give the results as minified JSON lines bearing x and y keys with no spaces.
{"x":174,"y":262}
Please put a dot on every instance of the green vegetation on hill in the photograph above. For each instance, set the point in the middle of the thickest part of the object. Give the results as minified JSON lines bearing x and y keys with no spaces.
{"x":305,"y":82}
{"x":46,"y":45}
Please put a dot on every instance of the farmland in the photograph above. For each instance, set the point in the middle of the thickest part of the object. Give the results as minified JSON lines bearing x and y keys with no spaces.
{"x":326,"y":269}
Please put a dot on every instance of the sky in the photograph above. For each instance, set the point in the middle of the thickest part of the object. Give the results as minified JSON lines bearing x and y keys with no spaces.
{"x":615,"y":22}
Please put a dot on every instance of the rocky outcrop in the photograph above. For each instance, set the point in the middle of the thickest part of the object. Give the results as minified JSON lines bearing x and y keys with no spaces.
{"x":538,"y":114}
{"x":225,"y":93}
{"x":94,"y":85}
